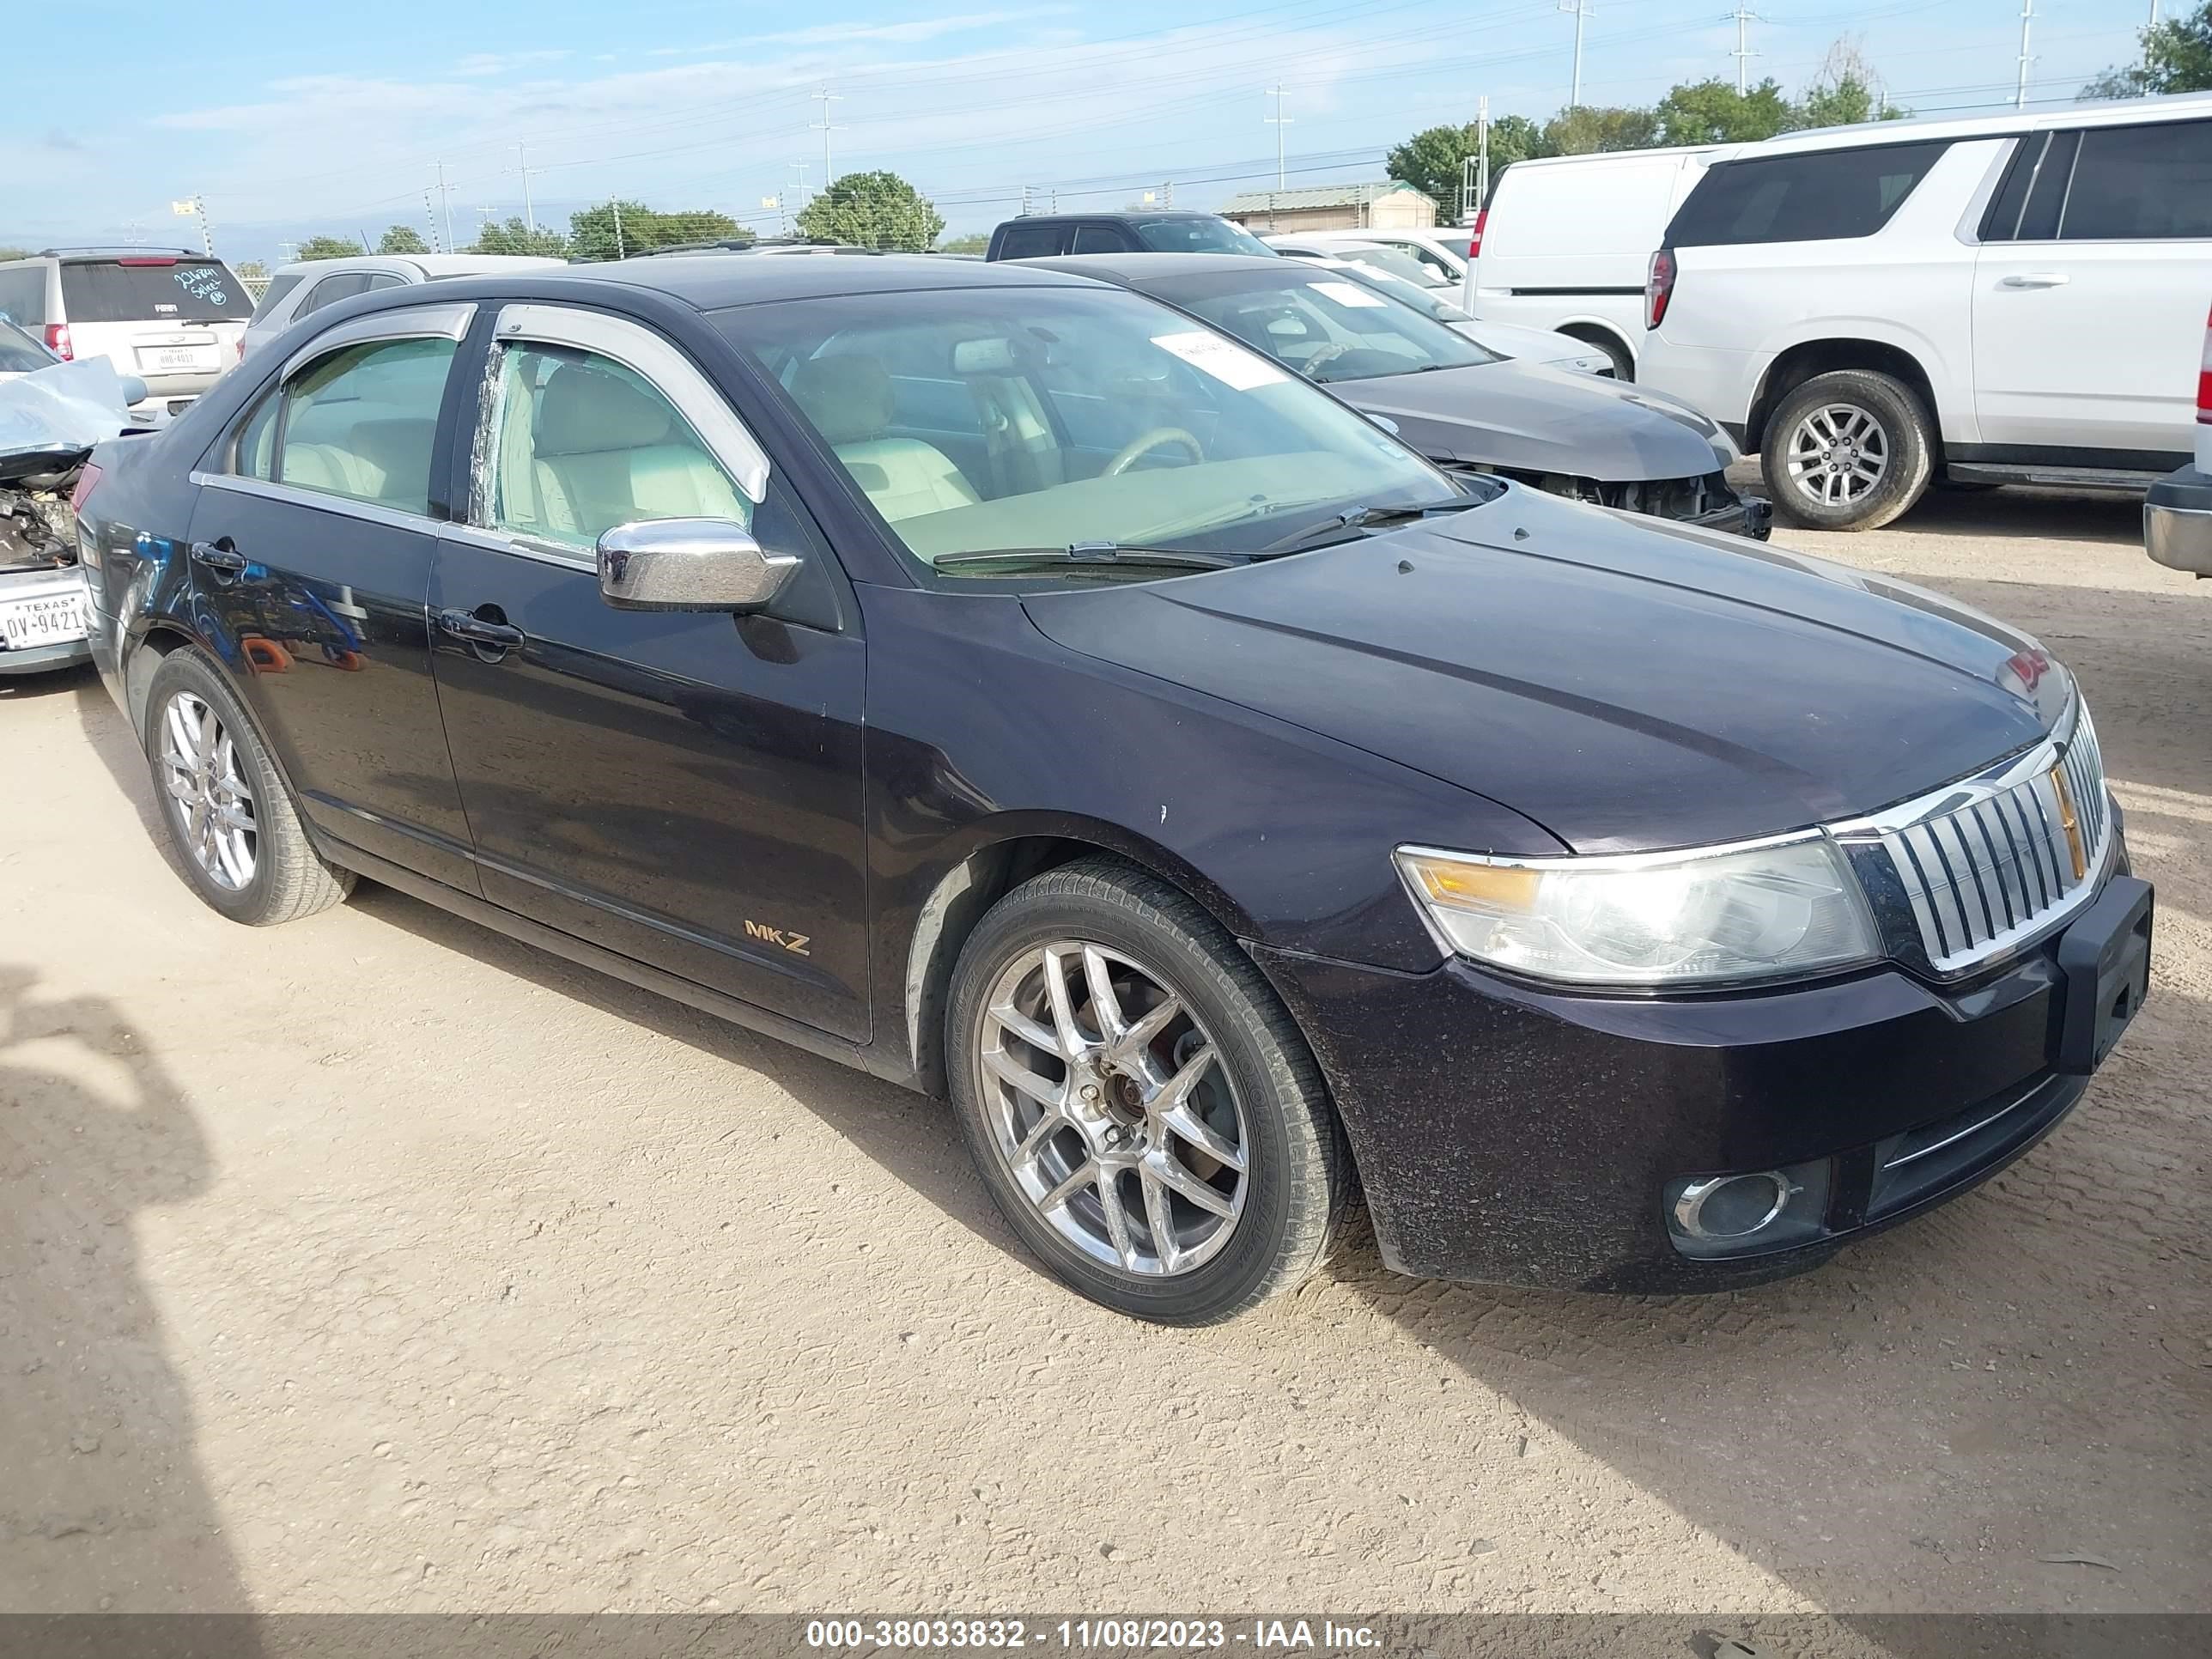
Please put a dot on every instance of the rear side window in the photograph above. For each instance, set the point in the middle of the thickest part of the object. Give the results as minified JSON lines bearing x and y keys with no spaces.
{"x":152,"y":291}
{"x":330,"y":289}
{"x":1820,"y":196}
{"x":2137,"y":183}
{"x":1032,"y":241}
{"x":23,"y":295}
{"x":1100,"y":239}
{"x":273,"y":295}
{"x":362,"y":422}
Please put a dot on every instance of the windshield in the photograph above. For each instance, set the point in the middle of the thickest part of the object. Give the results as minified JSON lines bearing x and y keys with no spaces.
{"x":1325,"y":323}
{"x":22,"y":354}
{"x":1393,"y":261}
{"x":152,"y":289}
{"x":980,"y":419}
{"x":1198,"y":236}
{"x":1426,"y":300}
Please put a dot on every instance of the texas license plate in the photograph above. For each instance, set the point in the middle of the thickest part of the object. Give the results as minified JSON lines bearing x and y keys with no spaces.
{"x":175,"y":360}
{"x":49,"y":621}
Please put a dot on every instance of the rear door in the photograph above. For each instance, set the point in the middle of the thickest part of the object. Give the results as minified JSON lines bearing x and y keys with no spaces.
{"x":310,"y":553}
{"x":174,"y":320}
{"x":683,"y":789}
{"x":2089,"y":295}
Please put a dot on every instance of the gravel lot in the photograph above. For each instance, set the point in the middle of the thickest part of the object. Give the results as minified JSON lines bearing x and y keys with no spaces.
{"x":377,"y":1263}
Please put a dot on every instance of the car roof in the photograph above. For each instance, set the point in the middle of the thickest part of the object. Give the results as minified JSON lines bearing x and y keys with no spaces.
{"x":430,"y":264}
{"x":1118,"y":216}
{"x":1137,"y":269}
{"x":712,"y":282}
{"x":2125,"y":111}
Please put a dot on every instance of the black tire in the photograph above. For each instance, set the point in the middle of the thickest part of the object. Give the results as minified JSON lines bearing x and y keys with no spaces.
{"x":289,"y":879}
{"x":1907,"y":433}
{"x":1624,"y":365}
{"x":1298,"y":1172}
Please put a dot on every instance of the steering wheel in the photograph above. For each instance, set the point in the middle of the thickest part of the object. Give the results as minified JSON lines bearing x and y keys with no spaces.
{"x":1146,"y":443}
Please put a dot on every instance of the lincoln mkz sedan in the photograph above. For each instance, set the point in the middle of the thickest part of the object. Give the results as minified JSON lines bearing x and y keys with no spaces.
{"x":1000,"y":682}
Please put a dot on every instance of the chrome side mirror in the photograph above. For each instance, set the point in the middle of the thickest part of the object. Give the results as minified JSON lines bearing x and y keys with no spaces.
{"x":690,"y":564}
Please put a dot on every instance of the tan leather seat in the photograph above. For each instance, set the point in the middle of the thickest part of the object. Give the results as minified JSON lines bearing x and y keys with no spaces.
{"x":849,"y":401}
{"x":387,"y":461}
{"x":606,"y":452}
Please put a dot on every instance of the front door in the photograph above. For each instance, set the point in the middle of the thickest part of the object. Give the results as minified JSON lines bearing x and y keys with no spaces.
{"x":311,"y":562}
{"x":2089,"y":306}
{"x":683,"y":789}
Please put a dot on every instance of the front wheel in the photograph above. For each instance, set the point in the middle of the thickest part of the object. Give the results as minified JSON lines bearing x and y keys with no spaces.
{"x":1849,"y":449}
{"x":1141,"y":1107}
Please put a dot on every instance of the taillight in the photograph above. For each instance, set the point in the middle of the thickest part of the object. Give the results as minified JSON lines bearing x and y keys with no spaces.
{"x":1474,"y":242}
{"x":1659,"y":289}
{"x":88,"y":476}
{"x":57,"y":340}
{"x":2204,"y":378}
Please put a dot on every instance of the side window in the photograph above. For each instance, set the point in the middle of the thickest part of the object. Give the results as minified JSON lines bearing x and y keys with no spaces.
{"x":273,"y":295}
{"x":583,"y":443}
{"x":23,"y":295}
{"x":1032,"y":241}
{"x":344,"y":286}
{"x":255,"y":453}
{"x":362,"y":422}
{"x":1821,"y":195}
{"x":1100,"y":239}
{"x":2135,"y":184}
{"x":1429,"y":257}
{"x":384,"y":279}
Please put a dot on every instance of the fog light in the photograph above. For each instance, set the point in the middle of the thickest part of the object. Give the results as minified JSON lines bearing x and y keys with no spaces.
{"x":1747,"y":1213}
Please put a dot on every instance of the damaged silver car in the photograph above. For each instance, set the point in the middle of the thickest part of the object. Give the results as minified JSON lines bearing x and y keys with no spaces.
{"x":51,"y":414}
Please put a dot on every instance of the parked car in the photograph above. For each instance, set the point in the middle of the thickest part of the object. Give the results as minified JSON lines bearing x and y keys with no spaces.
{"x":1044,"y":235}
{"x":1537,"y":345}
{"x":2009,"y":299}
{"x":1565,"y":243}
{"x":1464,"y":407}
{"x":305,"y":287}
{"x":171,"y":318}
{"x":1439,"y":253}
{"x":998,"y":681}
{"x":2177,"y":512}
{"x":1347,"y":246}
{"x":52,"y":414}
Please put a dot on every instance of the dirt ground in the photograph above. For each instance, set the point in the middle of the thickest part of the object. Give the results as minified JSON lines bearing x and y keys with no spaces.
{"x":377,"y":1263}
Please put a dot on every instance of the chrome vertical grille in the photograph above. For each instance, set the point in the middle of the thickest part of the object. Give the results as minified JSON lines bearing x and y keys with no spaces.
{"x":1988,"y":862}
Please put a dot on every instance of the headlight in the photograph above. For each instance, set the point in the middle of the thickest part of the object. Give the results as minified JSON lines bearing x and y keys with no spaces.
{"x":1702,"y":917}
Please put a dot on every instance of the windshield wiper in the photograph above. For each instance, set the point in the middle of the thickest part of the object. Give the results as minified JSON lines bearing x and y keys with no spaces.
{"x":1089,"y":553}
{"x":1365,"y":518}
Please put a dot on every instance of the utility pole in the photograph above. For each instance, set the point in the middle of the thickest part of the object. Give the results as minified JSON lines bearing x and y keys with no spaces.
{"x":1278,"y":121}
{"x":1468,"y":210}
{"x":1581,"y":9}
{"x":825,"y":98}
{"x":529,"y":213}
{"x":614,"y":202}
{"x":1743,"y":16}
{"x":2027,"y":17}
{"x":430,"y":218}
{"x":1167,"y":194}
{"x":446,"y":204}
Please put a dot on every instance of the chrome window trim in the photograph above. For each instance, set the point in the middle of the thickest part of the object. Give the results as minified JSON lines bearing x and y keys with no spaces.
{"x":671,"y":374}
{"x":322,"y":501}
{"x":448,"y":321}
{"x":523,"y":547}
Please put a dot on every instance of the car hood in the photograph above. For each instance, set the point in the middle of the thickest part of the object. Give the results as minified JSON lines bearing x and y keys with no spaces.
{"x":1533,"y":417}
{"x":1628,"y":686}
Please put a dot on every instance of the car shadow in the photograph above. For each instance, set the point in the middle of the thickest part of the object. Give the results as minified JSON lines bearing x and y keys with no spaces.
{"x":103,"y":1505}
{"x":2047,"y":514}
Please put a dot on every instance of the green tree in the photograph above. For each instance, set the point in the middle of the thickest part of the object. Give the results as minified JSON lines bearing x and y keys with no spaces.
{"x":1846,"y":92}
{"x":330,"y":247}
{"x":402,"y":239}
{"x":975,"y":242}
{"x":516,"y":236}
{"x":1588,"y":128}
{"x":2177,"y":56}
{"x":249,"y":270}
{"x":614,"y":229}
{"x":873,"y":209}
{"x":1434,"y":160}
{"x":1715,"y":112}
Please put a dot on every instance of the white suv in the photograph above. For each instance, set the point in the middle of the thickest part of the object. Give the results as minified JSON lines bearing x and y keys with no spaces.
{"x":2011,"y":298}
{"x":168,"y":317}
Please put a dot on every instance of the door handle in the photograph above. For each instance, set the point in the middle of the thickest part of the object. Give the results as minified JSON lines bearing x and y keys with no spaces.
{"x":218,"y":556}
{"x":2036,"y":279}
{"x":477,"y":630}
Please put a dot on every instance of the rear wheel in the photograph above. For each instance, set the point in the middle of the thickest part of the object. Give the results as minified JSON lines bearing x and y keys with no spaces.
{"x":1624,"y":365}
{"x":1849,"y":449}
{"x":1141,"y":1107}
{"x":237,"y":834}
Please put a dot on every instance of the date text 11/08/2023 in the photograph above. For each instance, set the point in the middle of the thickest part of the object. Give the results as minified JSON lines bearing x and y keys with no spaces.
{"x":1088,"y":1634}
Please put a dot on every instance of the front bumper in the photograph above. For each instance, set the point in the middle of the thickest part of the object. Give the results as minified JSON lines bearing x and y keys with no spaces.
{"x":2178,"y":521}
{"x":1509,"y":1134}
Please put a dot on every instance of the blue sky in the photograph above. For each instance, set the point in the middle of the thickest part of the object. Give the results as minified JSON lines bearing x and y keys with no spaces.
{"x":291,"y":118}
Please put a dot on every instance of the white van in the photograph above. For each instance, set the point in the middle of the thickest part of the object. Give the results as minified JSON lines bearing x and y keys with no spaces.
{"x":1566,"y":242}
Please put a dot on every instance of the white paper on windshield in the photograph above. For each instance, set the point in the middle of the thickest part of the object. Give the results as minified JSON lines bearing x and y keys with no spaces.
{"x":1228,"y":363}
{"x":1347,"y":293}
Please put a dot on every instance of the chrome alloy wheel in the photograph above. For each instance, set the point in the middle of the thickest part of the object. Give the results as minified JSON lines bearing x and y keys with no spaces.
{"x":1838,"y":454}
{"x":210,"y":797}
{"x":1110,"y":1107}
